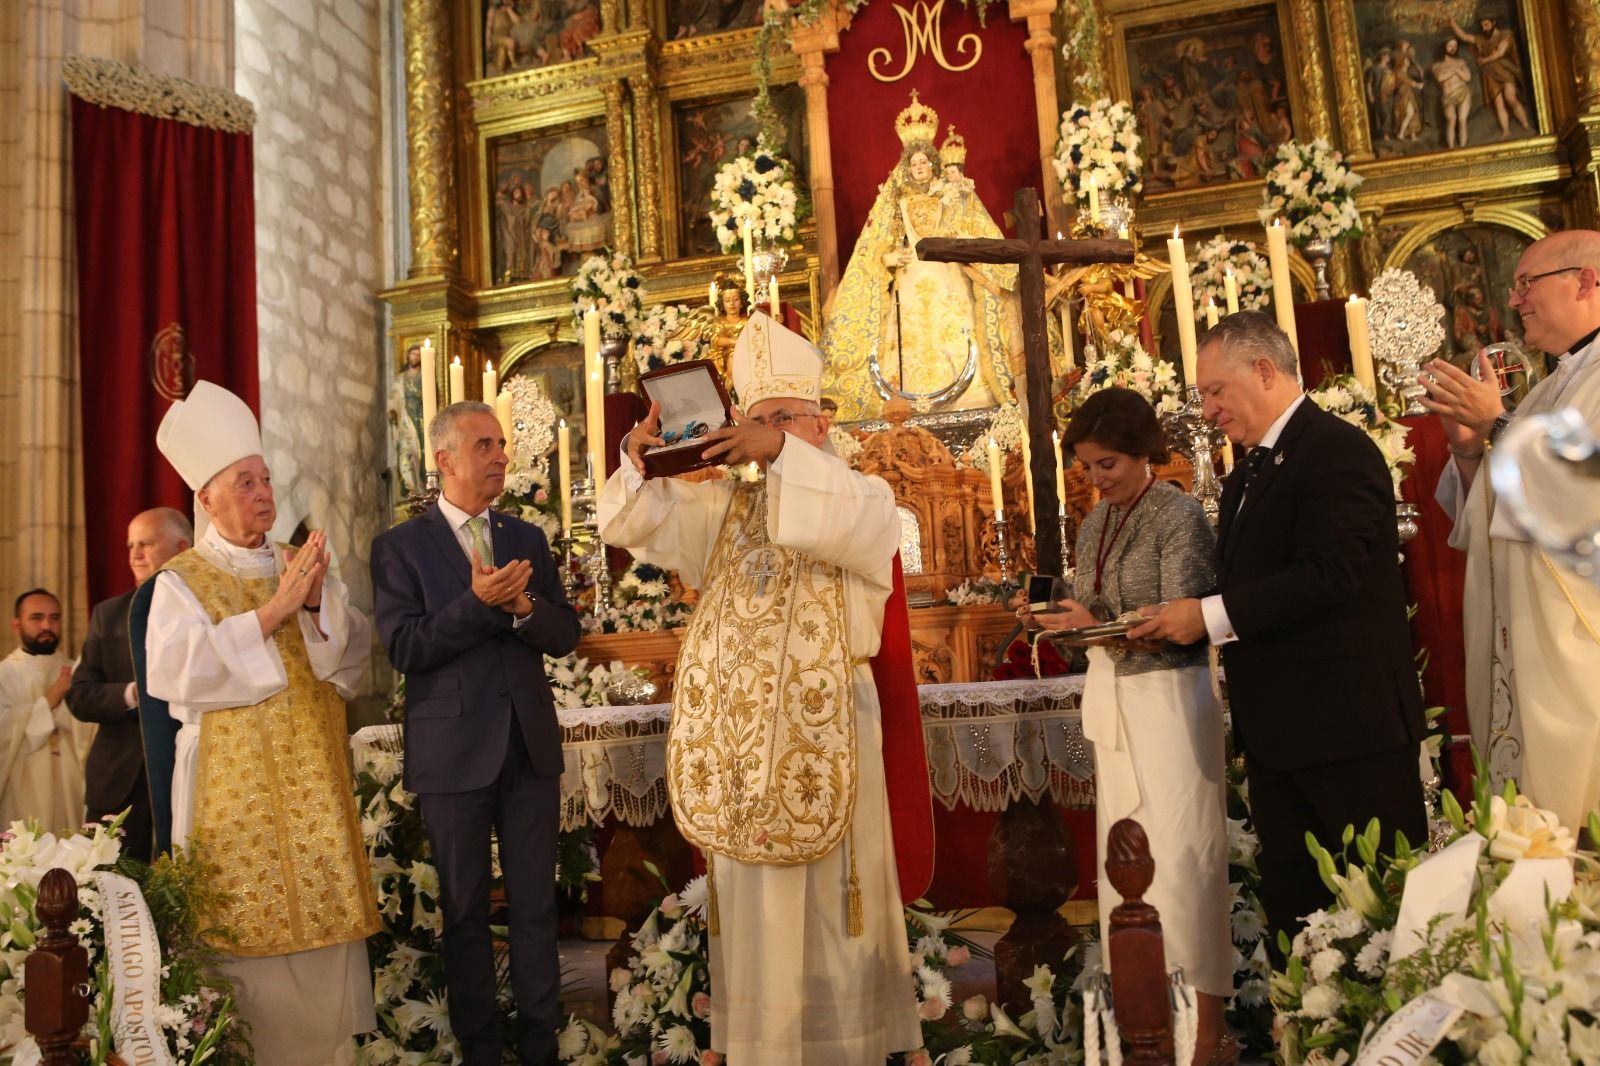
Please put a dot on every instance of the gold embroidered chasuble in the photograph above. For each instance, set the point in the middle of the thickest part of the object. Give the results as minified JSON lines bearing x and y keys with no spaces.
{"x":274,"y":803}
{"x":761,"y":752}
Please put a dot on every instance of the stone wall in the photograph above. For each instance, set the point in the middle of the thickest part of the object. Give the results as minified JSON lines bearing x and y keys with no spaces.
{"x":313,"y":70}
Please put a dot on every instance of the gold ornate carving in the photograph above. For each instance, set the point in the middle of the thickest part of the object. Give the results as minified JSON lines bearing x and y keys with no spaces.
{"x":499,"y":93}
{"x":1343,"y":43}
{"x":617,"y":135}
{"x":932,"y":661}
{"x":430,"y":141}
{"x":923,"y":31}
{"x":1584,"y":18}
{"x":1306,"y":21}
{"x":1371,"y":247}
{"x":111,"y":84}
{"x":645,"y":123}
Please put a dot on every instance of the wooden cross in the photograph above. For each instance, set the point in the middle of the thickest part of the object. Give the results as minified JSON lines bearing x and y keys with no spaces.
{"x":1032,"y":255}
{"x":761,"y":568}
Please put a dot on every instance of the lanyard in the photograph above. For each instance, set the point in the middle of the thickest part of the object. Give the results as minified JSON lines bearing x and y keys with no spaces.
{"x":1103,"y":551}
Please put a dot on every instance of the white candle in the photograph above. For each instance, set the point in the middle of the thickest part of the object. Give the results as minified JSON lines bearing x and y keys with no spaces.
{"x":591,"y":335}
{"x":1355,"y":318}
{"x":596,"y":423}
{"x":772,"y":295}
{"x":1094,"y":198}
{"x":711,"y":296}
{"x":1183,"y":304}
{"x":1211,"y":313}
{"x":1282,"y":288}
{"x":458,"y":381}
{"x":1122,"y":233}
{"x":1227,"y":456}
{"x":430,"y":401}
{"x":1027,"y":472}
{"x":1230,"y":290}
{"x":1061,"y":471}
{"x":1069,"y":342}
{"x":749,"y":266}
{"x":491,"y":383}
{"x":564,"y":464}
{"x":502,"y":411}
{"x":994,"y":479}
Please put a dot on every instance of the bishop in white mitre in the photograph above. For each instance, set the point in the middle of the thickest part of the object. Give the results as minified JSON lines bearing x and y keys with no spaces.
{"x":774,"y":754}
{"x":253,"y":644}
{"x":42,"y":747}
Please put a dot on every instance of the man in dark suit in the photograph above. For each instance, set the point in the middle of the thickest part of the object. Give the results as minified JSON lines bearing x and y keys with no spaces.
{"x":103,"y":691}
{"x":1310,"y":616}
{"x":468,"y":602}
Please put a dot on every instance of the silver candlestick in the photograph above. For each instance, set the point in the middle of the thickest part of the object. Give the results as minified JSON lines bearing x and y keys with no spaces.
{"x":586,"y":531}
{"x":1196,"y":436}
{"x":1061,"y":527}
{"x":418,"y":502}
{"x":1001,"y":557}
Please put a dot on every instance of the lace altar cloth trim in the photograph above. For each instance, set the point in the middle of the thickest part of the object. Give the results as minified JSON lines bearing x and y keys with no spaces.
{"x":111,"y":84}
{"x":990,"y":744}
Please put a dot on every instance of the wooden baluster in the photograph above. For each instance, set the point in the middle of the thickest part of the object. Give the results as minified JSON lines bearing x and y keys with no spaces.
{"x":1140,"y":992}
{"x":57,"y":973}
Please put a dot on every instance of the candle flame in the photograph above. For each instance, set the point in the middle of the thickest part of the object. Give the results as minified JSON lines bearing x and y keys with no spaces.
{"x":1174,"y":232}
{"x":456,"y":361}
{"x":1228,"y":271}
{"x":991,"y":442}
{"x":1056,"y":433}
{"x":1277,"y":222}
{"x":488,"y":366}
{"x":563,"y":423}
{"x":427,"y":342}
{"x":1354,"y":298}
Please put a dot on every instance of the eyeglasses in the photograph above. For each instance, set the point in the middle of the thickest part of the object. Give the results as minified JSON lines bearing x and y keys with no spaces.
{"x":782,"y":418}
{"x":1521,"y":285}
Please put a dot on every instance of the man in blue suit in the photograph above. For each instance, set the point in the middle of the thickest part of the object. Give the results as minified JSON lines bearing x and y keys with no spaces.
{"x":468,"y":602}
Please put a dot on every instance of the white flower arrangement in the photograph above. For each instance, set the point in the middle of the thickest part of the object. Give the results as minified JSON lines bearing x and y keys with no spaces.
{"x":642,"y":602}
{"x":528,"y":496}
{"x":1251,"y":273}
{"x":1005,"y":428}
{"x":1343,"y":395}
{"x":1099,"y":141}
{"x":196,"y":1015}
{"x":1125,"y":363}
{"x":666,"y":335}
{"x":609,"y":284}
{"x":978,"y":590}
{"x":1529,"y":986}
{"x":758,"y":187}
{"x":846,"y":445}
{"x":1313,"y":188}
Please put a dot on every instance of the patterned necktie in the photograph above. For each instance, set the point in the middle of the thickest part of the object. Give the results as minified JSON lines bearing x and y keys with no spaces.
{"x":479,"y":545}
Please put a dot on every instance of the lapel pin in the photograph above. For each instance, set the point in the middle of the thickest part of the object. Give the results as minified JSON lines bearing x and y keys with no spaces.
{"x":1277,"y":460}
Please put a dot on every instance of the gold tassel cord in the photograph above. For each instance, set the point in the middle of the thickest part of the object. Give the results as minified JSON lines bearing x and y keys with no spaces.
{"x":713,"y":922}
{"x":855,"y":924}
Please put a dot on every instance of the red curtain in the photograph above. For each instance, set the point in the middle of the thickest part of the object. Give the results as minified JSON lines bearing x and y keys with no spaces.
{"x":165,"y":218}
{"x":991,"y":106}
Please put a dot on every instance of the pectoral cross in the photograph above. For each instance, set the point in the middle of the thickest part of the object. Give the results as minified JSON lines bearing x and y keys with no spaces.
{"x":1032,"y":255}
{"x":760,"y":568}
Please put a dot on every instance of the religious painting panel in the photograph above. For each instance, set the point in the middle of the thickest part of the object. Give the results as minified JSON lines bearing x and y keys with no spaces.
{"x":550,"y":197}
{"x":1470,"y":269}
{"x":523,"y":35}
{"x":407,"y":435}
{"x":694,"y":18}
{"x":707,"y":135}
{"x":1444,"y":74}
{"x":1212,"y":96}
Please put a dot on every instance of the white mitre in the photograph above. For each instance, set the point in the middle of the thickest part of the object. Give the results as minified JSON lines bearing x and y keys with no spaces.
{"x":207,"y":432}
{"x":770,"y":360}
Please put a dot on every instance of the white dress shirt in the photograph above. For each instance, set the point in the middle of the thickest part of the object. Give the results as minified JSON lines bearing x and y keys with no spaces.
{"x":1218,"y":627}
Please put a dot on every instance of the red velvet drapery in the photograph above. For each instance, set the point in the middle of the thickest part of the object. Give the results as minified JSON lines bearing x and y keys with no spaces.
{"x":165,"y":218}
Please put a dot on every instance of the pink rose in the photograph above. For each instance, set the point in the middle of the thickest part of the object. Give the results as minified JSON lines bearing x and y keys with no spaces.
{"x":620,"y":979}
{"x":701,"y":1005}
{"x":931,"y":1009}
{"x":658,"y":1058}
{"x":975,"y":1008}
{"x":957,"y":956}
{"x":542,"y":496}
{"x":920,"y":1058}
{"x":710,"y":1058}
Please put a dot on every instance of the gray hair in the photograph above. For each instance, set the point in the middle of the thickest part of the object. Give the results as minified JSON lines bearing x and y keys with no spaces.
{"x":1245,"y":336}
{"x":444,"y":432}
{"x":176,"y":522}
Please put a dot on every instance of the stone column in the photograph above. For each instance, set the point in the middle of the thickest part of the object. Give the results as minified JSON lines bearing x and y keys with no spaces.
{"x":617,"y":135}
{"x":645,"y":115}
{"x":430,"y":140}
{"x":1041,"y":47}
{"x":811,"y":44}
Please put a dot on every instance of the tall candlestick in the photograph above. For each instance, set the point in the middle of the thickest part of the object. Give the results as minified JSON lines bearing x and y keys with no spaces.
{"x":458,"y":381}
{"x":1061,"y":471}
{"x":564,"y":464}
{"x":1211,"y":312}
{"x":772,"y":295}
{"x":1282,"y":287}
{"x":1183,"y":304}
{"x":994,"y":479}
{"x":749,"y":266}
{"x":491,"y":383}
{"x":1355,"y":317}
{"x":1230,"y":290}
{"x":1094,"y":198}
{"x":430,"y":401}
{"x":502,"y":411}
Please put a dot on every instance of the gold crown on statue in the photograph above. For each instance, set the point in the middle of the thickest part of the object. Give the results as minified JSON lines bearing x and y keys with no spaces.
{"x":953,"y":150}
{"x":919,"y":122}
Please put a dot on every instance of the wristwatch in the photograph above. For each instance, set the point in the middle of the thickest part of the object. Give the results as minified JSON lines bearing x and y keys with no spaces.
{"x":1499,"y":427}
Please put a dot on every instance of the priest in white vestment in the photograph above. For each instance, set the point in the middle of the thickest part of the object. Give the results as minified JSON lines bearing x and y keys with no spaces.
{"x":253,"y":645}
{"x":774,"y":755}
{"x":42,"y":747}
{"x":1532,"y":626}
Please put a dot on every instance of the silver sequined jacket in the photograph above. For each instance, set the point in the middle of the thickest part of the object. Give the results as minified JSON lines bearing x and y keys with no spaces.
{"x":1164,"y":553}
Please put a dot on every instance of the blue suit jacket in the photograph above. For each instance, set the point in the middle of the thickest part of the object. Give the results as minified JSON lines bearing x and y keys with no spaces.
{"x":467,"y":670}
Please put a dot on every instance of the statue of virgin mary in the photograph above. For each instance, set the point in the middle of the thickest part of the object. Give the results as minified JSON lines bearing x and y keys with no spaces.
{"x":927,"y":326}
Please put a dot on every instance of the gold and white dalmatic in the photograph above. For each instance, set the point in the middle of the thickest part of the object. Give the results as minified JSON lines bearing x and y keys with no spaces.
{"x":1532,"y":626}
{"x":775,"y":764}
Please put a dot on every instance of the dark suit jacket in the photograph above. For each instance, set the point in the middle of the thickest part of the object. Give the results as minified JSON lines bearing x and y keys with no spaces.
{"x":1309,"y":572}
{"x":96,"y":695}
{"x":467,"y":670}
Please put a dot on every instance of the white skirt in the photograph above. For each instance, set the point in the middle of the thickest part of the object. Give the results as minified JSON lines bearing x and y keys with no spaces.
{"x":1159,"y":759}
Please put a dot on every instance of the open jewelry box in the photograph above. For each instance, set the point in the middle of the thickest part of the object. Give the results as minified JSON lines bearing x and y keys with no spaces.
{"x":693,"y":403}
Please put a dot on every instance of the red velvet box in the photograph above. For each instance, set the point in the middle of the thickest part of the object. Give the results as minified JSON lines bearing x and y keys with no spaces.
{"x":691,"y":395}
